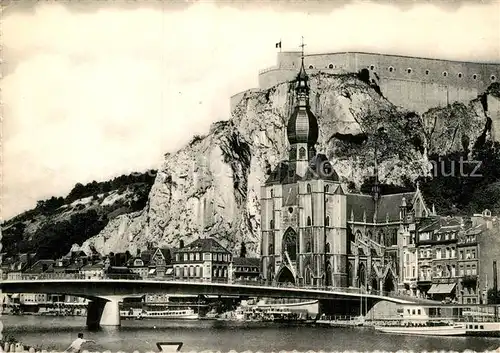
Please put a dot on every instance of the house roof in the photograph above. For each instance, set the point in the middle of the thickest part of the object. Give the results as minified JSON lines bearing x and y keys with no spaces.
{"x":131,"y":262}
{"x":204,"y":245}
{"x":97,"y":266}
{"x":40,"y":266}
{"x":246,"y":261}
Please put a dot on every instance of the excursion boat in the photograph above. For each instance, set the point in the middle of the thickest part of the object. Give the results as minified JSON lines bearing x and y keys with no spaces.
{"x":444,"y":330}
{"x":483,"y":329}
{"x":445,"y":320}
{"x":181,"y":314}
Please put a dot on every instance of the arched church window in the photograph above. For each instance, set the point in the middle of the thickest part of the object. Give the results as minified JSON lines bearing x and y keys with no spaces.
{"x":308,"y":246}
{"x":308,"y":221}
{"x":327,"y":188}
{"x":327,"y":249}
{"x":271,"y":249}
{"x":390,"y":68}
{"x":308,"y":188}
{"x":493,"y":78}
{"x":327,"y":221}
{"x":290,"y":243}
{"x":409,"y":70}
{"x":330,"y":66}
{"x":311,"y":67}
{"x":302,"y":153}
{"x":474,"y":77}
{"x":272,"y":193}
{"x":426,"y":72}
{"x":445,"y":73}
{"x":459,"y":75}
{"x":271,"y":224}
{"x":372,"y":67}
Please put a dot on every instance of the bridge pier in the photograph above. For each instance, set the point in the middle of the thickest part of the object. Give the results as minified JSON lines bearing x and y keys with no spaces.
{"x":103,"y":312}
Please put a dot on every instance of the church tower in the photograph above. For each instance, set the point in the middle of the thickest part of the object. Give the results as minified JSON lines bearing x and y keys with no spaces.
{"x":303,"y":208}
{"x":302,"y":129}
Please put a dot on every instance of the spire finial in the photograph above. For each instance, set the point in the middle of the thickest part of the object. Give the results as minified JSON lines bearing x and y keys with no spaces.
{"x":302,"y":45}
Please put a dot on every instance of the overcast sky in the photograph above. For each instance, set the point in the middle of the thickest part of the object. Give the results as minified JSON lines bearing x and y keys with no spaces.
{"x":92,"y":90}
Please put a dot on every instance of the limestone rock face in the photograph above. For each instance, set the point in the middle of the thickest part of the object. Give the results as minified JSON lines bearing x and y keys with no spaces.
{"x":211,"y":187}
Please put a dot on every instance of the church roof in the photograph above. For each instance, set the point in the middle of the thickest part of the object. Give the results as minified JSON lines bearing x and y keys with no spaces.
{"x":388,"y":206}
{"x":283,"y":173}
{"x":321,"y":168}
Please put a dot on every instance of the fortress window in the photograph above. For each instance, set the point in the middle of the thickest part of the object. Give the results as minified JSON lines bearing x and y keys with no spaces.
{"x":493,"y":78}
{"x":372,"y":67}
{"x":445,"y":73}
{"x":459,"y":75}
{"x":409,"y":70}
{"x":474,"y":76}
{"x":272,"y":193}
{"x":271,"y":224}
{"x":308,"y":221}
{"x":426,"y":72}
{"x":308,"y":188}
{"x":391,"y":69}
{"x":311,"y":67}
{"x":330,"y":66}
{"x":327,"y":222}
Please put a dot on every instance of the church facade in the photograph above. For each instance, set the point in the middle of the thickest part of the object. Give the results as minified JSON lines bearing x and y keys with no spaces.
{"x":316,"y":234}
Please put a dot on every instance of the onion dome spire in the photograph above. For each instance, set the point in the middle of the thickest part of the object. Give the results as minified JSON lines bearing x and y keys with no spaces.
{"x":302,"y":125}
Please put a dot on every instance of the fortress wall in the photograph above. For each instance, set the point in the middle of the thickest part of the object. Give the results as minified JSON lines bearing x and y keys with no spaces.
{"x":414,"y":83}
{"x":494,"y":114}
{"x":420,"y":96}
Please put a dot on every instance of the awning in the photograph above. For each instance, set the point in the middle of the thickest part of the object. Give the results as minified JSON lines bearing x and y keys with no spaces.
{"x":441,"y":288}
{"x":152,"y":271}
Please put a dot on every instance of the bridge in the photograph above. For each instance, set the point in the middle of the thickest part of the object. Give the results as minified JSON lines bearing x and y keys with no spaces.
{"x":106,"y":294}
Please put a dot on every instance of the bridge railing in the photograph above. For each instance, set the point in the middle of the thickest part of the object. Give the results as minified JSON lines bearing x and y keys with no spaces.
{"x":259,"y":283}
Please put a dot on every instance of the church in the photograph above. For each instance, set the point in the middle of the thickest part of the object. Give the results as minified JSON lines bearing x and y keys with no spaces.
{"x":314,"y":233}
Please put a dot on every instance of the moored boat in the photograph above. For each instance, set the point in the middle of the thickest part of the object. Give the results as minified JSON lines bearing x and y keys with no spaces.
{"x":441,"y":330}
{"x":483,"y":329}
{"x":178,"y":314}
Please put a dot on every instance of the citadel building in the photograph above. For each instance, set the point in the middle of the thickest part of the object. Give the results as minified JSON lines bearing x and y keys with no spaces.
{"x":314,"y":233}
{"x":417,"y":84}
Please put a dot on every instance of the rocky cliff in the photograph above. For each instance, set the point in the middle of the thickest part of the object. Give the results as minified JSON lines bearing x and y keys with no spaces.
{"x":212,"y":185}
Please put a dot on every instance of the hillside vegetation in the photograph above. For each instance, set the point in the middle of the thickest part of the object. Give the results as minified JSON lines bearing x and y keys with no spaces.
{"x":55,"y":224}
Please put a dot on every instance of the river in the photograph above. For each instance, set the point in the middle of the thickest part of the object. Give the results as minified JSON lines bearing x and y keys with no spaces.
{"x":58,"y":332}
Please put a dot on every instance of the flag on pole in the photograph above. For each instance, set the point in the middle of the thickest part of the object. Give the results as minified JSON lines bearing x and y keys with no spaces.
{"x":278,"y":45}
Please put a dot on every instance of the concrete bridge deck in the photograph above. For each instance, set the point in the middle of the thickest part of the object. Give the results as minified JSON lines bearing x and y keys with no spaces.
{"x":106,"y":294}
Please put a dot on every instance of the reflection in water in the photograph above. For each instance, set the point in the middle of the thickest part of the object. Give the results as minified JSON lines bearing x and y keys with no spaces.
{"x":58,"y":332}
